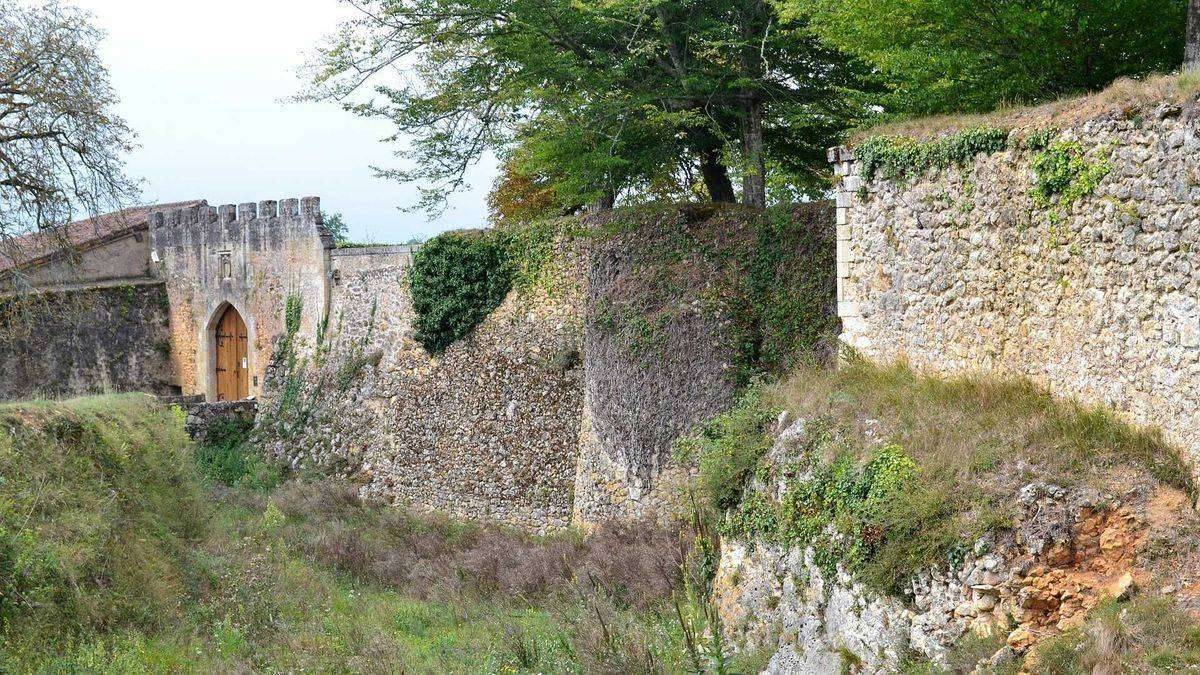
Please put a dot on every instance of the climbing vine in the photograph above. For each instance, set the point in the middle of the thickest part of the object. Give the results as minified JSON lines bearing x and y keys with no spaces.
{"x":765,"y":276}
{"x":1063,"y":174}
{"x":898,"y":157}
{"x":458,"y":278}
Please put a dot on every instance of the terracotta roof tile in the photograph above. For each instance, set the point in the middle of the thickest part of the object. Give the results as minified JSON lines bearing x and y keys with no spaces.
{"x":35,"y":246}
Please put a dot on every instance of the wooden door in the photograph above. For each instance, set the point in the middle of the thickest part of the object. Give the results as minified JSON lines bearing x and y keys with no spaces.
{"x":233,"y":368}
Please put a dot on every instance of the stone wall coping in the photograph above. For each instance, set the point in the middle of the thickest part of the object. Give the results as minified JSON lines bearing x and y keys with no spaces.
{"x":840,"y":153}
{"x":384,"y":249}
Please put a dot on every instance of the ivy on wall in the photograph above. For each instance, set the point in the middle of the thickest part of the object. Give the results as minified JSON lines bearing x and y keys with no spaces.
{"x":1064,"y":175}
{"x":458,"y":278}
{"x":766,"y":276}
{"x":895,"y":157}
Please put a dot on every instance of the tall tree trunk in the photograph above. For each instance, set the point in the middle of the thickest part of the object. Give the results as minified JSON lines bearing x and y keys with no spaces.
{"x":716,"y":177}
{"x":605,"y":202}
{"x":1191,"y":50}
{"x":754,"y":170}
{"x":754,"y":176}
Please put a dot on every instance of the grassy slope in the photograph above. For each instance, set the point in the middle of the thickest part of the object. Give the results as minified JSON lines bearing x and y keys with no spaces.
{"x":1126,"y":97}
{"x":119,"y":557}
{"x":973,"y":442}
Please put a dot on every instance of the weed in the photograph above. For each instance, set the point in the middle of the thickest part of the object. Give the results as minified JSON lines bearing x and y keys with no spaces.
{"x":1064,"y":175}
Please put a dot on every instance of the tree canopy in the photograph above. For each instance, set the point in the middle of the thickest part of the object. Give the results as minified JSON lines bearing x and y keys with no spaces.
{"x":605,"y":98}
{"x":61,"y":143}
{"x":945,"y":56}
{"x":591,"y":101}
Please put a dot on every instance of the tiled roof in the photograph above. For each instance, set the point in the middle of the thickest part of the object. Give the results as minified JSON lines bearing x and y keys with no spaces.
{"x":33,"y":247}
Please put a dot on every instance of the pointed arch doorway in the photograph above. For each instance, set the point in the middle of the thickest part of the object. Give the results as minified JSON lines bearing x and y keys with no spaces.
{"x":232,"y":357}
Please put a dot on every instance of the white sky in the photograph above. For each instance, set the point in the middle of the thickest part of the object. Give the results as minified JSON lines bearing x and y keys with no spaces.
{"x":203,"y":83}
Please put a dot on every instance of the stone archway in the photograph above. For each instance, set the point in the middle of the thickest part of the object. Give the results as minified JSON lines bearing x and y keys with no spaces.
{"x":227,"y":362}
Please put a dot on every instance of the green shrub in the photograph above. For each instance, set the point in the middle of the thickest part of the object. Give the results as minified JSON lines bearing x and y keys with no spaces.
{"x":227,"y":457}
{"x":839,"y":510}
{"x":457,"y":279}
{"x":728,"y":449}
{"x":945,"y":481}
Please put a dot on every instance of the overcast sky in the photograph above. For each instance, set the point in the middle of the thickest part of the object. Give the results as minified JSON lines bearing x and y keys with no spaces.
{"x":203,"y":85}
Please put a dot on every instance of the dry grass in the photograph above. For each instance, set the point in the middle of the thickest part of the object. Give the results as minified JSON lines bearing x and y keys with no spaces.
{"x":1124,"y":97}
{"x":1149,"y":634}
{"x":976,"y":429}
{"x":976,"y":440}
{"x":435,"y":558}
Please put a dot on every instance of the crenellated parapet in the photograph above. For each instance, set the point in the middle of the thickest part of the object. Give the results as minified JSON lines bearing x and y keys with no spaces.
{"x":263,"y":222}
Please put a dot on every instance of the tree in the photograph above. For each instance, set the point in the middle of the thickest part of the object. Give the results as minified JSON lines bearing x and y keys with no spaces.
{"x":974,"y":55}
{"x":61,"y":143}
{"x":336,"y":227}
{"x":632,"y":96}
{"x":517,"y":197}
{"x":1191,"y":57}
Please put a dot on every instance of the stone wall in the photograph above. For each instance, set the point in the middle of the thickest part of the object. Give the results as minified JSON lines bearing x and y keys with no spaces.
{"x":565,"y":403}
{"x":206,"y":419}
{"x":675,"y":326}
{"x":638,"y":401}
{"x":252,"y":257}
{"x":486,"y":430}
{"x":961,"y":269}
{"x":71,"y":343}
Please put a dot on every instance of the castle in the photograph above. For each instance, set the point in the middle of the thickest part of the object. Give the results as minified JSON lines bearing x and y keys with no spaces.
{"x":182,"y":298}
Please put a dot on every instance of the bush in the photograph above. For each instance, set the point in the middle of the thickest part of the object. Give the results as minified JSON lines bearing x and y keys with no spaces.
{"x":457,"y":279}
{"x":227,"y":457}
{"x":727,"y":450}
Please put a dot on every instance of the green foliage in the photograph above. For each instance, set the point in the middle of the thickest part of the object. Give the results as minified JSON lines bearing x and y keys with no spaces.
{"x":945,"y":56}
{"x":896,"y":157}
{"x":839,"y":510}
{"x":596,"y":100}
{"x":943,"y":481}
{"x":457,"y":279}
{"x":293,"y":308}
{"x":1041,"y":138}
{"x":781,"y":305}
{"x":728,"y":448}
{"x":1064,"y":175}
{"x":112,"y":559}
{"x":767,"y":275}
{"x":228,"y":457}
{"x":337,"y":228}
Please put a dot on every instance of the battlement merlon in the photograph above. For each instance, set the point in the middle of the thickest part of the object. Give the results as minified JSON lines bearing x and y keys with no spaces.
{"x":306,"y":210}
